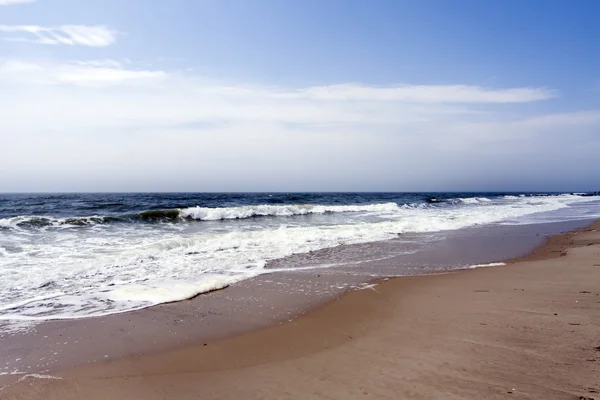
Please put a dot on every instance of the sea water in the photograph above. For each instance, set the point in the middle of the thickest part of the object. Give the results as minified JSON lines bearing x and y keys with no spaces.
{"x":81,"y":255}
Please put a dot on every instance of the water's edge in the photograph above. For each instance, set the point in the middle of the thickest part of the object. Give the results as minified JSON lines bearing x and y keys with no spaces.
{"x":253,"y":304}
{"x":58,"y":261}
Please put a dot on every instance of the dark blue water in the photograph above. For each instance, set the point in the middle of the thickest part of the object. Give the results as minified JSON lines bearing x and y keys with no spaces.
{"x":132,"y":206}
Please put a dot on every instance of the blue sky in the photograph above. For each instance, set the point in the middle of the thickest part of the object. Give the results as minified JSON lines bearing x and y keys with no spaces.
{"x":135,"y":95}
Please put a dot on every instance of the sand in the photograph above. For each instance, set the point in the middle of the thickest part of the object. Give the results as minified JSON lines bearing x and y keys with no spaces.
{"x":528,"y":330}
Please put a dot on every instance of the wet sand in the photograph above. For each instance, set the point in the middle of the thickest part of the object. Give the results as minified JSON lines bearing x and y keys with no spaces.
{"x":53,"y":346}
{"x":528,"y":330}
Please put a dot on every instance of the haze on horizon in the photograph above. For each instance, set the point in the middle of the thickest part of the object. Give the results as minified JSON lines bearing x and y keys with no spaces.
{"x":431,"y":95}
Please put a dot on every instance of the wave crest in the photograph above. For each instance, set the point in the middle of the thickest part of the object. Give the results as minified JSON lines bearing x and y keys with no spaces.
{"x":194,"y":213}
{"x":474,"y":200}
{"x":41,"y":222}
{"x":243,"y":212}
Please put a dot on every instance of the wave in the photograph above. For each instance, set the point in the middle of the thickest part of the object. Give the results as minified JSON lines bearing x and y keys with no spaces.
{"x":197,"y":213}
{"x":135,"y":295}
{"x":241,"y":212}
{"x":47,"y":222}
{"x":157,"y":215}
{"x":474,"y":200}
{"x":124,"y":269}
{"x":458,"y":200}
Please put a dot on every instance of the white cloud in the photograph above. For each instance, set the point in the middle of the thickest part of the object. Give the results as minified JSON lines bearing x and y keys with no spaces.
{"x":92,"y":76}
{"x":111,"y":71}
{"x":106,"y":125}
{"x":94,"y":36}
{"x":429,"y":94}
{"x":11,"y":2}
{"x":118,"y":96}
{"x":100,"y":63}
{"x":15,"y":67}
{"x":89,"y":73}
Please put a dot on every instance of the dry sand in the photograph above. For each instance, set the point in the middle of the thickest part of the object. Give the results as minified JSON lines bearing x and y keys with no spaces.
{"x":529,"y":330}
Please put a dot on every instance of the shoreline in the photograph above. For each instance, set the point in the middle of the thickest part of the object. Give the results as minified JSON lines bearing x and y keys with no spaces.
{"x":323,"y":329}
{"x":261,"y":302}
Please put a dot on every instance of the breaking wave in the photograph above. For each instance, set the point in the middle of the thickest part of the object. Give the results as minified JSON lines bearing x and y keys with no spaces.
{"x":123,"y":266}
{"x":241,"y":212}
{"x":215,"y":214}
{"x":196,"y":213}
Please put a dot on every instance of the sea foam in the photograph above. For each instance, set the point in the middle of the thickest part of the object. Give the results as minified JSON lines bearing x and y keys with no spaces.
{"x":213,"y":214}
{"x":82,"y":271}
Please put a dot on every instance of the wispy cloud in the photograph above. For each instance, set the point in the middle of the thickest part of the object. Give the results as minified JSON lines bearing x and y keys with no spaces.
{"x":122,"y":94}
{"x":10,"y":2}
{"x":110,"y":72}
{"x":429,"y":93}
{"x":75,"y":113}
{"x":88,"y":73}
{"x":84,"y":35}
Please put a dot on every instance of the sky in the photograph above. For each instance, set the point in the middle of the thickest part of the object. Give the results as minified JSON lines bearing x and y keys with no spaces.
{"x":313,"y":95}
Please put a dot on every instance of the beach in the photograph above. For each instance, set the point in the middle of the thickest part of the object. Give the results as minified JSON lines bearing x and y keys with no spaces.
{"x":291,"y":200}
{"x":526,"y":330}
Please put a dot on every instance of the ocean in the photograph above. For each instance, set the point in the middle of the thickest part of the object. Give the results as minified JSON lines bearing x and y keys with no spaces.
{"x":65,"y":256}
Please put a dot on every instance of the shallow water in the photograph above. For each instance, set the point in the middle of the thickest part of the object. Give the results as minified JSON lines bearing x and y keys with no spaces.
{"x":82,"y":255}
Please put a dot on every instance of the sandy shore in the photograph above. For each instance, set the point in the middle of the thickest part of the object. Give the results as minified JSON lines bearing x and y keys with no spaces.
{"x":529,"y":330}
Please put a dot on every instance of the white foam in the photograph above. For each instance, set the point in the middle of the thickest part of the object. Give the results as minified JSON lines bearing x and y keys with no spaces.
{"x":43,"y":222}
{"x":82,"y":272}
{"x":42,"y":376}
{"x":203,"y":214}
{"x":223,"y":213}
{"x":366,"y":286}
{"x":494,"y":264}
{"x":168,"y":291}
{"x":26,"y":375}
{"x":30,"y":300}
{"x":475,"y":200}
